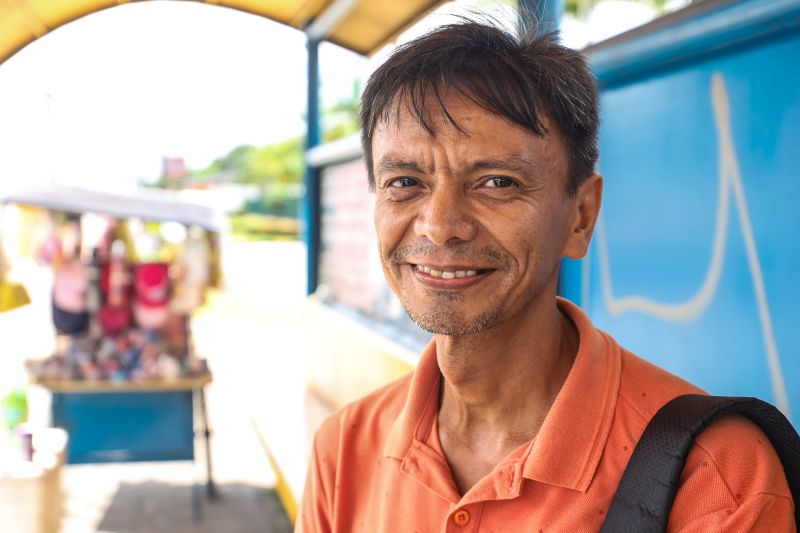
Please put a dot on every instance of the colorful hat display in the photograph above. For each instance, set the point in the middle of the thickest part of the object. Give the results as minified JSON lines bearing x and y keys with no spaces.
{"x":151,"y":304}
{"x":150,"y":318}
{"x":152,"y":284}
{"x":114,"y":320}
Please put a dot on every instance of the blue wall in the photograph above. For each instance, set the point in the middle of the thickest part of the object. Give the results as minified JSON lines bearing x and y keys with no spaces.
{"x":696,"y":258}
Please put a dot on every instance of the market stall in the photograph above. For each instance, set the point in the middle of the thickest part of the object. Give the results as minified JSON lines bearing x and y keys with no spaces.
{"x":128,"y":270}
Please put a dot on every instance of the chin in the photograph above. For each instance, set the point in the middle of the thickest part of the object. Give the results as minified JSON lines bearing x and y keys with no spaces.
{"x":453,"y":325}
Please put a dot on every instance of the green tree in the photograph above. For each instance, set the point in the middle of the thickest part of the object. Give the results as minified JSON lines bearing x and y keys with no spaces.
{"x":277,"y":169}
{"x":341,"y":119}
{"x":581,"y":8}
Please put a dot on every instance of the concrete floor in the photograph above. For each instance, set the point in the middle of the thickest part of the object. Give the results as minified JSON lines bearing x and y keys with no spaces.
{"x":152,"y":498}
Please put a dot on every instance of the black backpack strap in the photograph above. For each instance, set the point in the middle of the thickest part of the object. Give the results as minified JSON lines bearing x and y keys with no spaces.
{"x":647,"y":490}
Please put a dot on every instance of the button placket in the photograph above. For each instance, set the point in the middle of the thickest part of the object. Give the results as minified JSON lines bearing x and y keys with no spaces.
{"x":461,"y":518}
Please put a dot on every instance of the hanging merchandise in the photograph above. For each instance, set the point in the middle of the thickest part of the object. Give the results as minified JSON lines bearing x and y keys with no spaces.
{"x":192,"y":272}
{"x":151,"y":304}
{"x":115,"y":314}
{"x":127,"y":273}
{"x":70,"y":283}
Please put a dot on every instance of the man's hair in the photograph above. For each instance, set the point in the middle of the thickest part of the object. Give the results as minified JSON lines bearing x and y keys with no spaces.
{"x":519,"y":78}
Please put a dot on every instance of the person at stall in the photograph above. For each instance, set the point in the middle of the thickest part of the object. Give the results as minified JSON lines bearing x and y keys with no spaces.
{"x":521,"y":415}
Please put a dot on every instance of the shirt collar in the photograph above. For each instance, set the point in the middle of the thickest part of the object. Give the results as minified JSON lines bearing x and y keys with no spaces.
{"x":421,"y":405}
{"x":566,"y":452}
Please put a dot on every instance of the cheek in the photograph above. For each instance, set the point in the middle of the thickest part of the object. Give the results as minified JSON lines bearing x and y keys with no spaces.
{"x":527,"y":242}
{"x":391,"y":219}
{"x":389,"y":230}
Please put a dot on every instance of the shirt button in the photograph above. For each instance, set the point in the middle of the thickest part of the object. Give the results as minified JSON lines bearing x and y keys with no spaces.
{"x":461,"y":518}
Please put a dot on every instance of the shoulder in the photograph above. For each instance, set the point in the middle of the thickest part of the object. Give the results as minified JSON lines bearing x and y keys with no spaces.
{"x":732,"y":471}
{"x":733,"y":476}
{"x":734,"y":446}
{"x":737,"y":451}
{"x":645,"y":388}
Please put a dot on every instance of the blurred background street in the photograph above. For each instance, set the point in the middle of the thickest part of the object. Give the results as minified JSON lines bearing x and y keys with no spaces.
{"x":167,"y":128}
{"x":248,"y":332}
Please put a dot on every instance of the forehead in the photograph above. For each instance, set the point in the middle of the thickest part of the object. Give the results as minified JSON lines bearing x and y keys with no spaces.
{"x":470,"y":131}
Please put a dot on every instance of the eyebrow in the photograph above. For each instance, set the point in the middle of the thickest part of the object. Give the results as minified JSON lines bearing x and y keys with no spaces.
{"x":394,"y":164}
{"x":514,"y":163}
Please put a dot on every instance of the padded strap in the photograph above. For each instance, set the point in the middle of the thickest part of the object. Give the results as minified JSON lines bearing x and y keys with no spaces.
{"x":647,"y":490}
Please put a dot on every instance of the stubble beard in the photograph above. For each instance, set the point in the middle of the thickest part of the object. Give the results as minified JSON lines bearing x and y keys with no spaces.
{"x":441,"y":321}
{"x":444,"y":320}
{"x":442,"y":316}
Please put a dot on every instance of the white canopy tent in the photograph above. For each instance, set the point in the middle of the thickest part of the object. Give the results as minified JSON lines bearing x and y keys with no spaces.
{"x":154,"y":205}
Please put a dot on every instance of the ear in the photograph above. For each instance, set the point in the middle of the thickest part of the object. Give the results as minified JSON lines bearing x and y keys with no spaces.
{"x":585,"y":211}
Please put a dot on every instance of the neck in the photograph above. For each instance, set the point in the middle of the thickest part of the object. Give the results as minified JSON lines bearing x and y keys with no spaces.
{"x":502,"y":382}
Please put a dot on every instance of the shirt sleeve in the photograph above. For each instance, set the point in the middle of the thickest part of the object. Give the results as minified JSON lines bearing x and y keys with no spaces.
{"x":764,"y":512}
{"x":316,"y":506}
{"x":733,"y":481}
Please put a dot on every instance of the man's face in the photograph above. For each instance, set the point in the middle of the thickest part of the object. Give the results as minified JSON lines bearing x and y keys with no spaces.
{"x":471,"y":224}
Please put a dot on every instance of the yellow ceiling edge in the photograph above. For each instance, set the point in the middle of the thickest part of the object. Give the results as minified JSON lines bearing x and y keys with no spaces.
{"x":39,"y":28}
{"x":35,"y":24}
{"x":307,"y":12}
{"x":422,"y":13}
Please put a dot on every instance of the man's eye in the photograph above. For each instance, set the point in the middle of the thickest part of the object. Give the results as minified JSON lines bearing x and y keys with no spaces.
{"x":402,"y":182}
{"x":499,"y":182}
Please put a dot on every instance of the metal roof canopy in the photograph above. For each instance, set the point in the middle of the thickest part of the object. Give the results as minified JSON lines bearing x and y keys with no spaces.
{"x":362,"y":26}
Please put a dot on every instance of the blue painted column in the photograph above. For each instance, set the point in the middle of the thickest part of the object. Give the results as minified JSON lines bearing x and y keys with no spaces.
{"x":311,"y":205}
{"x":547,"y":12}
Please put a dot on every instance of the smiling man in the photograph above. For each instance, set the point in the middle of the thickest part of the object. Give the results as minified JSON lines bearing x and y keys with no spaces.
{"x":521,"y":415}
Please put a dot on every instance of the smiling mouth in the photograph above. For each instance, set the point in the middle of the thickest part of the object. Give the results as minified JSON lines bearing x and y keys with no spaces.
{"x":442,"y":273}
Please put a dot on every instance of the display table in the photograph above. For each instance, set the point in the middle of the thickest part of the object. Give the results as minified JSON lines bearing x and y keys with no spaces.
{"x":30,"y":491}
{"x":127,"y":421}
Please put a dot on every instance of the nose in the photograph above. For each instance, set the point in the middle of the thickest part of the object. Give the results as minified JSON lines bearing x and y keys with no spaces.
{"x":444,"y":217}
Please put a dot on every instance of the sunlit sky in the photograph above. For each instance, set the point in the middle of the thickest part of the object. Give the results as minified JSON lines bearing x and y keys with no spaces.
{"x":104,"y":97}
{"x":98,"y":102}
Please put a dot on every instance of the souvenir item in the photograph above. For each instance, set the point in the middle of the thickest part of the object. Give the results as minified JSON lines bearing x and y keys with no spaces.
{"x":151,"y":306}
{"x":114,"y":320}
{"x":70,"y":283}
{"x":70,"y":286}
{"x":191,"y":273}
{"x":67,"y":323}
{"x":115,"y":315}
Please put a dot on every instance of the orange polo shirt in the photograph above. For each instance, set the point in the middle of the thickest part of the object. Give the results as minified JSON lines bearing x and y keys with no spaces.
{"x":377,"y":464}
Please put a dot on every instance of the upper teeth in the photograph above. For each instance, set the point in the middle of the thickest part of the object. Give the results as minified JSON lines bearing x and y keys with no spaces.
{"x":445,"y":274}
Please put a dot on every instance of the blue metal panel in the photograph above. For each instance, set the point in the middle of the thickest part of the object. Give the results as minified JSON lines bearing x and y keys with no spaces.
{"x":127,"y":426}
{"x":695,"y":258}
{"x":705,"y":29}
{"x":547,"y":12}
